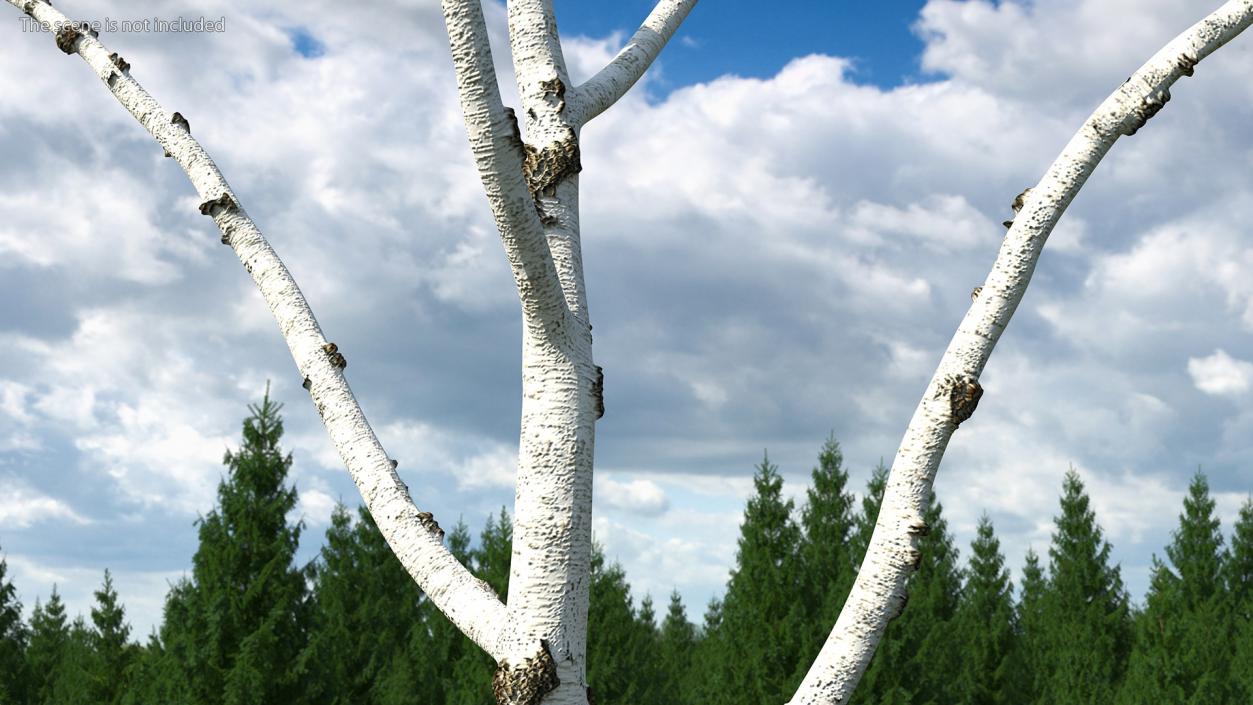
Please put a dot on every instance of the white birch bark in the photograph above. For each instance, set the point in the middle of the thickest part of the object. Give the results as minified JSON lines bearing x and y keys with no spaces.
{"x":879,"y":593}
{"x":532,"y":188}
{"x":413,"y":535}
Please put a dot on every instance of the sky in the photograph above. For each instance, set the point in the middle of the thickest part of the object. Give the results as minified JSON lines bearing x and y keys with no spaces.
{"x":782,"y":225}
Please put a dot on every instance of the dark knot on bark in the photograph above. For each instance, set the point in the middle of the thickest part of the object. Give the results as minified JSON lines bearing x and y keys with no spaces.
{"x":528,"y":682}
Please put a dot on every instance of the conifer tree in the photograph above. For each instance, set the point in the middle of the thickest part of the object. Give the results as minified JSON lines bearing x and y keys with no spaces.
{"x":49,"y":638}
{"x":241,"y":621}
{"x":1240,"y":584}
{"x":1030,"y":658}
{"x":763,"y":620}
{"x":703,"y":683}
{"x":677,"y":647}
{"x":985,"y":626}
{"x":826,"y":560}
{"x":870,"y":503}
{"x":111,"y":644}
{"x":13,"y":637}
{"x":472,"y":669}
{"x":1187,"y":613}
{"x":74,"y":681}
{"x":1086,"y":629}
{"x":622,"y":659}
{"x":919,"y":654}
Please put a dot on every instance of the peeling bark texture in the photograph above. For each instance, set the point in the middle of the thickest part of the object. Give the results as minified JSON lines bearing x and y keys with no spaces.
{"x":879,"y":591}
{"x":527,"y":684}
{"x":548,"y":166}
{"x":612,"y":82}
{"x":121,"y":64}
{"x":598,"y":391}
{"x":467,"y":601}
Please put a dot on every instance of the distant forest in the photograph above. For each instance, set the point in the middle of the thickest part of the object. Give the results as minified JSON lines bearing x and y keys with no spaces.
{"x":251,"y":627}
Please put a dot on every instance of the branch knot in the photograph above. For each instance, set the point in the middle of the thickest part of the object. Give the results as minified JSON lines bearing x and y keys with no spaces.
{"x":528,"y":683}
{"x":963,"y":392}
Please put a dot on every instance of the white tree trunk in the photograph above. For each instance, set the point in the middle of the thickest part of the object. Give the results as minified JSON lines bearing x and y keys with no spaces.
{"x":879,"y":593}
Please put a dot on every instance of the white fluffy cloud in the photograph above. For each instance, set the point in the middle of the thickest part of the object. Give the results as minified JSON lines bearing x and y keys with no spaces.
{"x":768,"y":260}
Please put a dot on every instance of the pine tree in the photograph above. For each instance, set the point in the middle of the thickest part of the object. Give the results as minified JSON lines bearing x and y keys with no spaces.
{"x":985,"y":626}
{"x":1187,"y":613}
{"x":622,"y":652}
{"x":919,"y":653}
{"x":763,"y":620}
{"x":702,"y":683}
{"x":240,"y":623}
{"x":472,"y":668}
{"x":111,"y":644}
{"x":677,"y":647}
{"x":1030,"y":658}
{"x":49,"y":637}
{"x":826,"y":561}
{"x":1240,"y":584}
{"x":1087,"y":633}
{"x":74,"y":682}
{"x":13,"y":638}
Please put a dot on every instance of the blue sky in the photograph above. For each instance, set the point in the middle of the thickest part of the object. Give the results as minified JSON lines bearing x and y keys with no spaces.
{"x":738,"y":37}
{"x":782,"y":225}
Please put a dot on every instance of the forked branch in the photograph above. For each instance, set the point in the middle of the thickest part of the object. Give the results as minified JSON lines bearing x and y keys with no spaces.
{"x":878,"y":594}
{"x":413,"y":535}
{"x":612,"y":82}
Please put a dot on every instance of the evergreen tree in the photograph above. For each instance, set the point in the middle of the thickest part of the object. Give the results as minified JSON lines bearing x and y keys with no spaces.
{"x":472,"y":668}
{"x":13,"y":636}
{"x":702,"y":683}
{"x":826,"y":561}
{"x":242,"y":619}
{"x":985,"y":626}
{"x":763,"y":620}
{"x":74,"y":682}
{"x":1086,"y":629}
{"x":870,"y":503}
{"x":49,"y":637}
{"x":1240,"y":584}
{"x":677,"y":648}
{"x":1187,"y":612}
{"x":1030,"y":658}
{"x":111,"y":644}
{"x":622,"y":659}
{"x":919,"y":654}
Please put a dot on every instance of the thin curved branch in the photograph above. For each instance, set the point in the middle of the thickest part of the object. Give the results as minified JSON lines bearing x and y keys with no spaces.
{"x":612,"y":82}
{"x":496,"y":142}
{"x":878,"y":595}
{"x":413,"y":535}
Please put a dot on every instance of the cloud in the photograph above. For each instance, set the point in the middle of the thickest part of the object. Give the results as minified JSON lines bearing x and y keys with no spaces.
{"x":24,"y":507}
{"x":637,"y":496}
{"x":1220,"y":374}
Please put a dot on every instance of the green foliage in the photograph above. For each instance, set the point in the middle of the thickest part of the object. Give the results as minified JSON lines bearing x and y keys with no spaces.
{"x":1240,"y":584}
{"x":1187,"y":611}
{"x":826,"y":558}
{"x":111,"y":645}
{"x":235,"y":631}
{"x":13,"y":638}
{"x":1030,"y":662}
{"x":49,"y":638}
{"x":676,"y":649}
{"x":1086,"y":630}
{"x":763,"y":618}
{"x":985,"y":626}
{"x":623,"y":664}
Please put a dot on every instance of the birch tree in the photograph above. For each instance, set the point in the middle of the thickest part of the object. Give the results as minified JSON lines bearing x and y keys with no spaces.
{"x":538,"y":634}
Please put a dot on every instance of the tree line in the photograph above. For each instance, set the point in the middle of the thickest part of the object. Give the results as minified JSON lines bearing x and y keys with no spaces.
{"x":249,"y":626}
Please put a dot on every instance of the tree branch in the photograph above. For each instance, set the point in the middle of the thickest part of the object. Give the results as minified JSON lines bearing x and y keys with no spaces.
{"x":413,"y":535}
{"x":605,"y":88}
{"x":878,"y":595}
{"x":500,"y":154}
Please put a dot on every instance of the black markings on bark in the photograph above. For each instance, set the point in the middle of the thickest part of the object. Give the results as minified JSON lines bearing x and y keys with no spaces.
{"x":222,"y":205}
{"x":598,"y":391}
{"x":119,"y":62}
{"x":547,"y":167}
{"x":179,"y":120}
{"x":395,"y":463}
{"x":427,"y":520}
{"x":307,"y":384}
{"x":918,"y":527}
{"x":974,"y":293}
{"x":1008,"y":224}
{"x":528,"y":683}
{"x":1149,"y":107}
{"x":67,"y":38}
{"x":555,"y":88}
{"x":900,"y":608}
{"x":1020,"y":200}
{"x":1187,"y":64}
{"x":337,"y":358}
{"x":963,"y":394}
